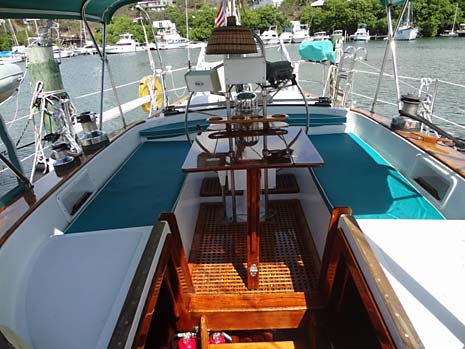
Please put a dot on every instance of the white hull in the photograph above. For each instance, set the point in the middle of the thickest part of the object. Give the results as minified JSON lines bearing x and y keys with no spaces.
{"x":63,"y":54}
{"x":172,"y":46}
{"x":319,"y":38}
{"x":286,"y":38}
{"x":362,"y":34}
{"x":12,"y":59}
{"x":449,"y":35}
{"x":10,"y":76}
{"x":270,"y":36}
{"x":85,"y":51}
{"x":270,"y":41}
{"x":298,"y":38}
{"x":121,"y":49}
{"x":406,"y":34}
{"x":362,"y":38}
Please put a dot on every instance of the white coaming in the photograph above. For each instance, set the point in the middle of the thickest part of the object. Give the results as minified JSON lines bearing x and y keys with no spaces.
{"x":403,"y":156}
{"x":16,"y":253}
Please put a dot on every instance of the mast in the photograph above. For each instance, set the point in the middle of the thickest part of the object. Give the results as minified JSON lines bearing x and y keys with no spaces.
{"x":408,"y":14}
{"x":455,"y":17}
{"x":13,"y":32}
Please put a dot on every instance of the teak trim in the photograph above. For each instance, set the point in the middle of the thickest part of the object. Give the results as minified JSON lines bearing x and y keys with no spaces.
{"x":448,"y":156}
{"x":151,"y":301}
{"x":338,"y":250}
{"x":405,"y":330}
{"x":172,"y":254}
{"x":179,"y":259}
{"x":128,"y":312}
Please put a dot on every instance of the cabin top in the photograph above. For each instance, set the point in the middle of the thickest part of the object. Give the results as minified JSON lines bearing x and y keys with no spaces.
{"x":426,"y":281}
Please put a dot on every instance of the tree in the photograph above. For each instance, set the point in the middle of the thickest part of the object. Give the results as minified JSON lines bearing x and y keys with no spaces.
{"x":202,"y":23}
{"x":263,"y":17}
{"x":6,"y":41}
{"x":120,"y":25}
{"x":432,"y":15}
{"x":174,"y":14}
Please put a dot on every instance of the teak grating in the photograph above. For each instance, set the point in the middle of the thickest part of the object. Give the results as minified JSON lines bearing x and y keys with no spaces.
{"x":288,"y":261}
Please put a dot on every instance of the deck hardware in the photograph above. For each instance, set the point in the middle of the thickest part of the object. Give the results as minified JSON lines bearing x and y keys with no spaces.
{"x":253,"y":270}
{"x":63,"y":161}
{"x":92,"y":138}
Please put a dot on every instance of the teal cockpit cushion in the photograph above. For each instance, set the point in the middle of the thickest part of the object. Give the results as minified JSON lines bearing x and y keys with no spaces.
{"x":355,"y":175}
{"x":145,"y":185}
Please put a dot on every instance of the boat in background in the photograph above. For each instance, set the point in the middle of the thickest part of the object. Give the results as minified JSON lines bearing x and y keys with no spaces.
{"x":320,"y":36}
{"x":59,"y":53}
{"x":88,"y":49}
{"x":286,"y":36}
{"x":168,"y":37}
{"x":338,"y":34}
{"x":451,"y":33}
{"x":299,"y":32}
{"x":362,"y":34}
{"x":175,"y":42}
{"x":461,"y":30}
{"x":125,"y":44}
{"x":10,"y":78}
{"x":407,"y":31}
{"x":11,"y":57}
{"x":270,"y":36}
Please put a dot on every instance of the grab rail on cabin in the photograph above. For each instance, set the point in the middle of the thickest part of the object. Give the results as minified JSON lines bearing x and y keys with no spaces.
{"x":349,"y":257}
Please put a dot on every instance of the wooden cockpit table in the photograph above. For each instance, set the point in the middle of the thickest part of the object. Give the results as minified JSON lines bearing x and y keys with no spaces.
{"x":274,"y":148}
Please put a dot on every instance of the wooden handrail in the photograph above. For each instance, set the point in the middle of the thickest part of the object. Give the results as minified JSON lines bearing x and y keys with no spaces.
{"x":172,"y":262}
{"x":180,"y":258}
{"x":389,"y":304}
{"x":128,"y":312}
{"x":204,"y":332}
{"x":387,"y":316}
{"x":332,"y":230}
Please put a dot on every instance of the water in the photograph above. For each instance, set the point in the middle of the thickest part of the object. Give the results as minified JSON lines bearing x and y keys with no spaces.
{"x":437,"y":58}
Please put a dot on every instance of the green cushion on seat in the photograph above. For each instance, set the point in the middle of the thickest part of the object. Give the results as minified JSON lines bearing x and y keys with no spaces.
{"x":355,"y":175}
{"x":147,"y":184}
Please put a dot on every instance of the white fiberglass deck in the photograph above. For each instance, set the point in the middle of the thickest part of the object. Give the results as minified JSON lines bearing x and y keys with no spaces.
{"x":425,"y":263}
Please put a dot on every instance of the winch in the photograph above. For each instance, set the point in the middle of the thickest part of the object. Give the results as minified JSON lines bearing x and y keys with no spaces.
{"x":63,"y":161}
{"x":409,"y":110}
{"x":92,"y":139}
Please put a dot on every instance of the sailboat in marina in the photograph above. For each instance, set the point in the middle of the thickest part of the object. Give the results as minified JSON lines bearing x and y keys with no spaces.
{"x":452,"y":33}
{"x":249,"y":214}
{"x":407,"y":30}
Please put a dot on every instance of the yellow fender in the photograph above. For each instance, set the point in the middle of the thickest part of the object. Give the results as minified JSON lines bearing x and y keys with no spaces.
{"x":144,"y":90}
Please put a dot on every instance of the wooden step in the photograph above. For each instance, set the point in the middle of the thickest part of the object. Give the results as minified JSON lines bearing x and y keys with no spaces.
{"x":256,"y":345}
{"x":254,"y":311}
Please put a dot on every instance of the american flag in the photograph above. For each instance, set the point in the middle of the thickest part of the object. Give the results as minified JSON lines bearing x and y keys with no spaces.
{"x":220,"y":19}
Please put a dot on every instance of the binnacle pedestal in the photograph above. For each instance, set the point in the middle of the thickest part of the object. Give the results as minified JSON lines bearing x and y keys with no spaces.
{"x":253,"y":228}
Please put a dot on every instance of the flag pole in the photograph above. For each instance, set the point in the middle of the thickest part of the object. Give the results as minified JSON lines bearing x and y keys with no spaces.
{"x":187,"y":37}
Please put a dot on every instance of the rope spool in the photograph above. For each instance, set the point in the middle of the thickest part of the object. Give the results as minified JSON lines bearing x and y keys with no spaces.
{"x":149,"y":85}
